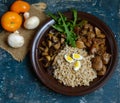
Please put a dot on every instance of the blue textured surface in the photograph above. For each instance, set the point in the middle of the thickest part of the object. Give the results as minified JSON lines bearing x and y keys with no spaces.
{"x":19,"y":84}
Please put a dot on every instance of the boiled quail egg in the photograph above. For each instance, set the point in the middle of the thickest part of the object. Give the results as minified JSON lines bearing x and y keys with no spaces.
{"x":77,"y":56}
{"x":68,"y":59}
{"x":77,"y":65}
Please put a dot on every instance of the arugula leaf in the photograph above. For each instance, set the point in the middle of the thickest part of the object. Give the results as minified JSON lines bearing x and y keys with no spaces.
{"x":67,"y":27}
{"x":58,"y":28}
{"x":52,"y":16}
{"x":75,"y":16}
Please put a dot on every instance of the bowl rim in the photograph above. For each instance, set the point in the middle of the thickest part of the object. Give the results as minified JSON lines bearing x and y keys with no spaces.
{"x":34,"y":61}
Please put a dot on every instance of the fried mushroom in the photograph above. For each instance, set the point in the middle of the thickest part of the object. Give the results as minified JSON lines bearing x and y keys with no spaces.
{"x":106,"y":58}
{"x":98,"y":33}
{"x":97,"y":63}
{"x":80,"y":44}
{"x":102,"y":71}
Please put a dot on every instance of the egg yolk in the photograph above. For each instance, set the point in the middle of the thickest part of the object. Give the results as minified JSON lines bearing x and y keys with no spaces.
{"x":77,"y":65}
{"x":77,"y":56}
{"x":68,"y":59}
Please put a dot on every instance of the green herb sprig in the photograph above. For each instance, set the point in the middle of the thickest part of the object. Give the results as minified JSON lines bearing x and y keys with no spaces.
{"x":66,"y":26}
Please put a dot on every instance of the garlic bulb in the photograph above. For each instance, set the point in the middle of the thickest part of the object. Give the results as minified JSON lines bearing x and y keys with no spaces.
{"x":15,"y":40}
{"x":31,"y":22}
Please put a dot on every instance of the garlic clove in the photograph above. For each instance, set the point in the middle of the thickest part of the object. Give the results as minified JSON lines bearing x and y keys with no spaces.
{"x":26,"y":15}
{"x":15,"y":40}
{"x":32,"y":22}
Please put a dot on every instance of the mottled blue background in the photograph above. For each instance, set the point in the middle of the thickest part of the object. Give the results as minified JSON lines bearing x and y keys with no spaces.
{"x":18,"y":82}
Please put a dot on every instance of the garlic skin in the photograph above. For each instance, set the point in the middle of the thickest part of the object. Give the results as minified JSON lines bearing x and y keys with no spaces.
{"x":31,"y":22}
{"x":15,"y":40}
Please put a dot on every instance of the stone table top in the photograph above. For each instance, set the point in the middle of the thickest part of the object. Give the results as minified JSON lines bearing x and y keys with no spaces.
{"x":19,"y":83}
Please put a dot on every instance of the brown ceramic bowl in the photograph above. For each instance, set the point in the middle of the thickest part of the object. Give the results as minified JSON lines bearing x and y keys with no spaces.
{"x":51,"y":82}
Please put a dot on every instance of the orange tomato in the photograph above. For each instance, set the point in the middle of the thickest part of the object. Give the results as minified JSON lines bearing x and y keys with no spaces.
{"x":20,"y":6}
{"x":11,"y":21}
